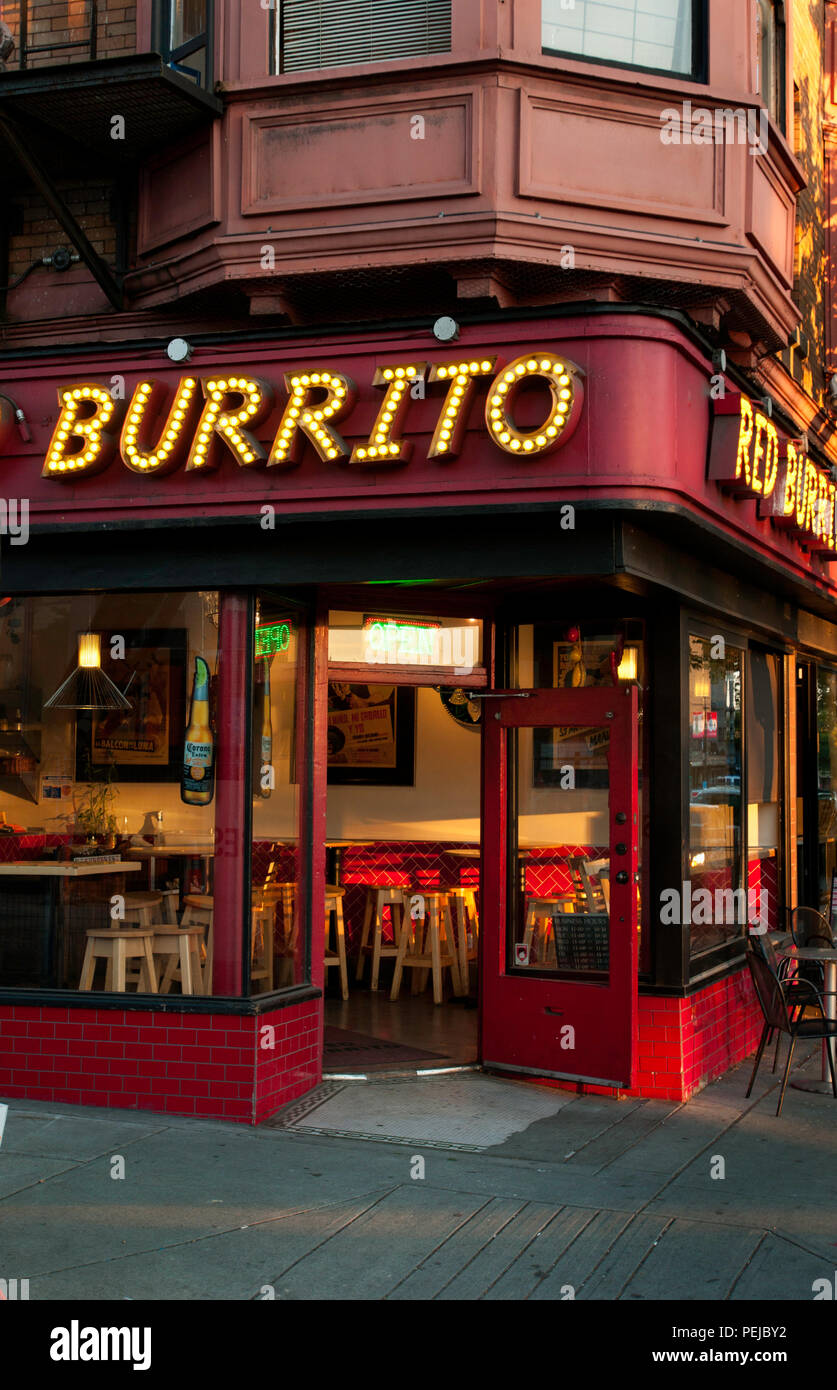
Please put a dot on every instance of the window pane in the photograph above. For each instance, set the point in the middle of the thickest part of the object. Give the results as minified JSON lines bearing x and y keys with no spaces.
{"x":826,"y":782}
{"x":718,"y":901}
{"x":638,"y":33}
{"x":278,"y":948}
{"x":188,"y":21}
{"x":560,"y":918}
{"x":107,"y":790}
{"x":764,"y":784}
{"x":331,"y":33}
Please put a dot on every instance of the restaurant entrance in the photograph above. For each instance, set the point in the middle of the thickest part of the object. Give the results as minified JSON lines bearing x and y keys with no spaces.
{"x":560,"y":914}
{"x":402,"y":844}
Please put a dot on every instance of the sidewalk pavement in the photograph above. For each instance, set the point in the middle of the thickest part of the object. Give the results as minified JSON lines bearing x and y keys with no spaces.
{"x":597,"y":1199}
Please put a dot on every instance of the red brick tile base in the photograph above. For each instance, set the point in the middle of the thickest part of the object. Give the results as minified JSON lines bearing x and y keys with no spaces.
{"x":231,"y":1067}
{"x":245,"y":1067}
{"x":686,"y":1043}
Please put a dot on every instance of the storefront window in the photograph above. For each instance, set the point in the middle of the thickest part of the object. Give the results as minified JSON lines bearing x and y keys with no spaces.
{"x":764,"y":797}
{"x":826,"y":784}
{"x":715,"y":794}
{"x":107,"y":791}
{"x":278,"y":950}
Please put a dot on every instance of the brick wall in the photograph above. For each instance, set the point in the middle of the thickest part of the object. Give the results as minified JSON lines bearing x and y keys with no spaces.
{"x":209,"y":1065}
{"x":68,"y":21}
{"x":40,"y":234}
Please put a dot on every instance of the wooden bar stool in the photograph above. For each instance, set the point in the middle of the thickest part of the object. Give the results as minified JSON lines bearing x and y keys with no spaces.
{"x":379,"y":896}
{"x":466,"y":922}
{"x":265,"y":948}
{"x":199,"y":910}
{"x":171,"y":902}
{"x":539,"y":925}
{"x":180,"y":950}
{"x":117,"y":948}
{"x":264,"y":930}
{"x":334,"y":905}
{"x":142,"y":909}
{"x":421,"y":947}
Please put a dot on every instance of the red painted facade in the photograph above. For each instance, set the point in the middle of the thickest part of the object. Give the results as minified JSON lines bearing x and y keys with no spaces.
{"x":294,"y":224}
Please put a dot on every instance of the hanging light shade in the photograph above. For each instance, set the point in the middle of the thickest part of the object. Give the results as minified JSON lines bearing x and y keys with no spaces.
{"x":88,"y":687}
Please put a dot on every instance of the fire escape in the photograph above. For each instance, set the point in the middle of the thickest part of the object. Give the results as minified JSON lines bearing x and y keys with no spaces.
{"x":67,"y":113}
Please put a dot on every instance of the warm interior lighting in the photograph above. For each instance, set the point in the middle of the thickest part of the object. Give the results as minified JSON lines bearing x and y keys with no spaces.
{"x":88,"y":687}
{"x":89,"y":649}
{"x":627,"y":670}
{"x":702,"y":686}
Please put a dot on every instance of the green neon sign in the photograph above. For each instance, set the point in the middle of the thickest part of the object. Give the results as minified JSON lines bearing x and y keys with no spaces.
{"x":272,"y":639}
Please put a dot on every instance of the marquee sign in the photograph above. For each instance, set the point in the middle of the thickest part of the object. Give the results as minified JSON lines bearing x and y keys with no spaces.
{"x":748,"y":458}
{"x":217,"y":415}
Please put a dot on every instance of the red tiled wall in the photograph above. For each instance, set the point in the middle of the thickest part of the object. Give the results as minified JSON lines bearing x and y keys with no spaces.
{"x":289,"y":1062}
{"x":686,"y":1043}
{"x":209,"y":1065}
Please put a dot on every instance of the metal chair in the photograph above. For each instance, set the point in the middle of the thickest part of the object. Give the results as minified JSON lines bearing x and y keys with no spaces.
{"x":777,"y":1012}
{"x":808,"y":927}
{"x":797,"y":991}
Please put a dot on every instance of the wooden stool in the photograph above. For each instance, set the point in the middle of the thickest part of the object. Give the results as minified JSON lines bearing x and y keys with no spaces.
{"x":199,"y":910}
{"x":424,"y":932}
{"x":171,"y":902}
{"x":118,"y":947}
{"x":334,"y":904}
{"x":466,"y":929}
{"x":142,"y":909}
{"x":543,"y":910}
{"x":377,"y":898}
{"x":263,"y":905}
{"x":182,"y":946}
{"x":265,"y":901}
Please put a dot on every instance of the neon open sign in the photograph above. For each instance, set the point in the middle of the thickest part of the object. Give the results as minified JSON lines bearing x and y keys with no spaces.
{"x":276,"y":637}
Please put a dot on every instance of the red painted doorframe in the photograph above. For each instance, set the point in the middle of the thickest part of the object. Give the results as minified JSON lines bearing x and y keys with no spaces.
{"x":520,"y":1012}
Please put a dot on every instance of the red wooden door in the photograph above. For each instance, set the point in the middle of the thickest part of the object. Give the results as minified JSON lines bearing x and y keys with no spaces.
{"x":559,"y":884}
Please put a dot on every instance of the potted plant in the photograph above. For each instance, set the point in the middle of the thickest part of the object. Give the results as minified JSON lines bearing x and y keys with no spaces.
{"x":94,"y":808}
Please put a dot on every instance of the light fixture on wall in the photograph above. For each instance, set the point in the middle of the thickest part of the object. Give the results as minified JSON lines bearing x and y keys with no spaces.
{"x":88,"y":687}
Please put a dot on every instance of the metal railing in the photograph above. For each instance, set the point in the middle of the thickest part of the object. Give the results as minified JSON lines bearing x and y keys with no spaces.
{"x":27,"y":50}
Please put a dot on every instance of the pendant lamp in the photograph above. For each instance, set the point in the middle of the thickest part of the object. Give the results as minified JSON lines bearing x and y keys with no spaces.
{"x":88,"y":687}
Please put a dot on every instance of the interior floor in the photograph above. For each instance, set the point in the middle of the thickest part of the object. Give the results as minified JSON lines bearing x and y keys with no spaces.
{"x":417,"y":1031}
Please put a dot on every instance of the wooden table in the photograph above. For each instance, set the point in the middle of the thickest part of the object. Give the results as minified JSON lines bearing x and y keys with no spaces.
{"x":828,"y":956}
{"x":32,"y":908}
{"x":173,"y":851}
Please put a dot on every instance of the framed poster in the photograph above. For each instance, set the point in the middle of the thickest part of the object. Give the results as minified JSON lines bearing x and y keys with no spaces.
{"x":144,"y":743}
{"x":371,"y":734}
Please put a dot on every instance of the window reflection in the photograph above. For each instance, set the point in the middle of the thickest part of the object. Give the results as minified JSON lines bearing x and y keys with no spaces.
{"x":715,"y":791}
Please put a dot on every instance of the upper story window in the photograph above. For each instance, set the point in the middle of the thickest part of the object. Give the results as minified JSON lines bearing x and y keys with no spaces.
{"x":772,"y":51}
{"x":661,"y":35}
{"x":185,"y":28}
{"x":308,"y":34}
